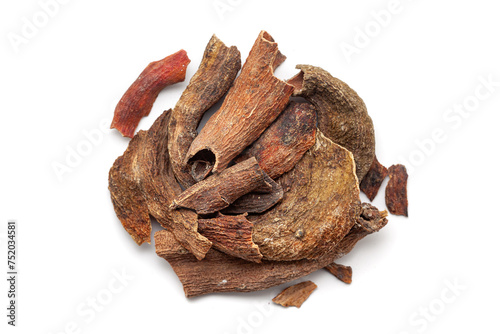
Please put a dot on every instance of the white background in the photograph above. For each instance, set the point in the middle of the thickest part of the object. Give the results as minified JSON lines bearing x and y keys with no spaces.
{"x":67,"y":78}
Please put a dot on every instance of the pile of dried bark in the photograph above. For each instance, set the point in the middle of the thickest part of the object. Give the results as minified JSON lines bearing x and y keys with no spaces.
{"x":268,"y":191}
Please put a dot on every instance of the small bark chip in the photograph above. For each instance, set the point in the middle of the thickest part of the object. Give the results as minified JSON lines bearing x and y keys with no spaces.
{"x":231,"y":235}
{"x":284,"y":143}
{"x":251,"y":105}
{"x":396,"y":197}
{"x":139,"y":98}
{"x":343,"y":273}
{"x":319,"y":206}
{"x":342,"y":114}
{"x":217,"y":71}
{"x":295,"y":295}
{"x":373,"y":179}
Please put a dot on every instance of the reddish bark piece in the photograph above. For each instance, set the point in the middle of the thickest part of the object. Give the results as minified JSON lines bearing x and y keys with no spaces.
{"x":321,"y":196}
{"x":251,"y":105}
{"x":219,"y":272}
{"x":342,"y":114}
{"x":343,"y":273}
{"x":217,"y":71}
{"x":295,"y":295}
{"x":257,"y":202}
{"x":396,"y":197}
{"x":142,"y":183}
{"x":139,"y":98}
{"x":231,"y":235}
{"x":284,"y":143}
{"x":220,"y":190}
{"x":373,"y":179}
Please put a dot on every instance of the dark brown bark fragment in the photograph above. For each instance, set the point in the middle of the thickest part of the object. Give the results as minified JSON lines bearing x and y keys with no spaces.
{"x":257,"y":201}
{"x":139,"y":98}
{"x":321,"y":196}
{"x":219,"y":272}
{"x":251,"y":105}
{"x":396,"y":197}
{"x":342,"y":114}
{"x":141,"y":182}
{"x":373,"y":179}
{"x":295,"y":295}
{"x":284,"y":143}
{"x":220,"y":190}
{"x":231,"y":235}
{"x":217,"y":71}
{"x":343,"y":273}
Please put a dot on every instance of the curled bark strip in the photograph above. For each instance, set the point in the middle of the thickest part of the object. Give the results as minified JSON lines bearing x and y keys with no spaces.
{"x":295,"y":295}
{"x":396,"y":197}
{"x":219,"y":272}
{"x":369,"y":220}
{"x":284,"y":143}
{"x":141,"y":182}
{"x":128,"y":201}
{"x":139,"y":98}
{"x":319,"y":205}
{"x":373,"y":179}
{"x":217,"y":71}
{"x":342,"y":114}
{"x":251,"y":105}
{"x":257,"y":202}
{"x":343,"y":273}
{"x":220,"y":190}
{"x":231,"y":235}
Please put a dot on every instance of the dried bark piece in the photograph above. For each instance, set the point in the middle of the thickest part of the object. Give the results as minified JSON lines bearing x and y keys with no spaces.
{"x":231,"y":235}
{"x":342,"y":114}
{"x":343,"y":273}
{"x":373,"y":179}
{"x":219,"y":272}
{"x":284,"y":143}
{"x":217,"y":71}
{"x":396,"y":197}
{"x":141,"y":183}
{"x":369,"y":220}
{"x":295,"y":295}
{"x":139,"y":98}
{"x":251,"y":105}
{"x":318,"y":207}
{"x":220,"y":190}
{"x":257,"y":202}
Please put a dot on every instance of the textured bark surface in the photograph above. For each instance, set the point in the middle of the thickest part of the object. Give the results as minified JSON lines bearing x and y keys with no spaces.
{"x":217,"y":71}
{"x":342,"y":114}
{"x":141,"y":182}
{"x":373,"y":179}
{"x":257,"y":202}
{"x":231,"y":235}
{"x":396,"y":197}
{"x":343,"y":273}
{"x":219,"y":272}
{"x":284,"y":143}
{"x":251,"y":105}
{"x":319,"y":206}
{"x":139,"y":98}
{"x":220,"y":190}
{"x":295,"y":295}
